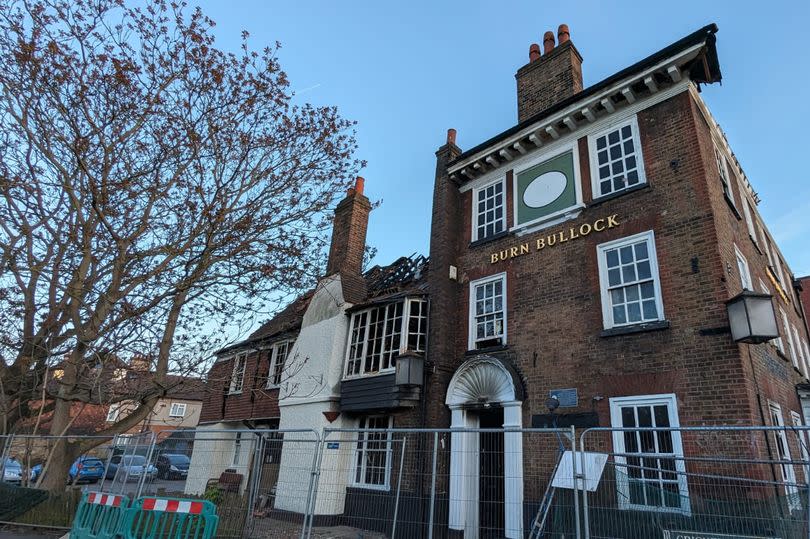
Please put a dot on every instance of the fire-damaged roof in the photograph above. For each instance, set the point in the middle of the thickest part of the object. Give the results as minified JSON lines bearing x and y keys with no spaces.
{"x":404,"y":276}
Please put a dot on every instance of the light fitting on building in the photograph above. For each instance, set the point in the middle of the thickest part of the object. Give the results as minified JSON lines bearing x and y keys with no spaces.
{"x":752,"y":318}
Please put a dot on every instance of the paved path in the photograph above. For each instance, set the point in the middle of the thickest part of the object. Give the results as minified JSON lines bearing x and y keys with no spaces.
{"x":20,"y":533}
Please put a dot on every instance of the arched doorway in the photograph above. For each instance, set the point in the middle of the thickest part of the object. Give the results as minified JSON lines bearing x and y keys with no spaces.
{"x":483,"y":392}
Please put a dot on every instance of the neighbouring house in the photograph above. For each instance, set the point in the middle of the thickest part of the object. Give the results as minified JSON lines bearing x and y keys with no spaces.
{"x":179,"y":409}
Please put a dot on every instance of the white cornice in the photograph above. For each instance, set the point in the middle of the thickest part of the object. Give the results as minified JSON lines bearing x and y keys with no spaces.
{"x":570,"y":138}
{"x":551,"y":125}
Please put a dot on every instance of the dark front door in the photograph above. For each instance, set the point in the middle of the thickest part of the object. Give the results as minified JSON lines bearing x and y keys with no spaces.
{"x":491,"y":475}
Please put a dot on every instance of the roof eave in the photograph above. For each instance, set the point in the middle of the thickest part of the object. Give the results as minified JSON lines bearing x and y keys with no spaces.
{"x":693,"y":57}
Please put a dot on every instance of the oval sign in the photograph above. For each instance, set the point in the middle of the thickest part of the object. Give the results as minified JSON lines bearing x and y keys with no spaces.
{"x":544,"y":189}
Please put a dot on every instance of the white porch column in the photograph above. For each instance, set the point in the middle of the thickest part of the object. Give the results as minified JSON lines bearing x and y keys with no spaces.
{"x":471,"y":472}
{"x":456,"y":516}
{"x":513,"y":470}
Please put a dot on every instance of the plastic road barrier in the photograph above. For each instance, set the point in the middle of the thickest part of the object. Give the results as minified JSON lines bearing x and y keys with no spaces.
{"x":170,"y":518}
{"x":99,"y":516}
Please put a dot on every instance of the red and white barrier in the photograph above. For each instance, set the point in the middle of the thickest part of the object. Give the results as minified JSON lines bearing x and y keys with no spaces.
{"x":172,"y":506}
{"x":99,"y":498}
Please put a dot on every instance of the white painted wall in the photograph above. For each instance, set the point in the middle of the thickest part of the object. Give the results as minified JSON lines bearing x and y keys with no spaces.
{"x":312,"y":390}
{"x":213,"y":453}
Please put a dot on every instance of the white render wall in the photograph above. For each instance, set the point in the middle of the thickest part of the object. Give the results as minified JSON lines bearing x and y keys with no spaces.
{"x":313,"y":390}
{"x":213,"y":453}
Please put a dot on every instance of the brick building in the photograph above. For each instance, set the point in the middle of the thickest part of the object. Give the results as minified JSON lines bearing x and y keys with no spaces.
{"x":587,"y":253}
{"x":583,"y":257}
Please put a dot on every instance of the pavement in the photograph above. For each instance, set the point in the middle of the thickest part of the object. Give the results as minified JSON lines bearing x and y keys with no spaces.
{"x":30,"y":533}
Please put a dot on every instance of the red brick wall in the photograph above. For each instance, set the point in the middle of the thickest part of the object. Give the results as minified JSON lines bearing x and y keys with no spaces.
{"x":554,"y":313}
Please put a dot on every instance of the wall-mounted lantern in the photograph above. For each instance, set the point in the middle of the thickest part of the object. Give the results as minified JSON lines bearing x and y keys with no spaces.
{"x":410,"y":368}
{"x":752,"y":318}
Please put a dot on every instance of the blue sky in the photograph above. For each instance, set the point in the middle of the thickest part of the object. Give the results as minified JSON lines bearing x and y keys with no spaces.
{"x":407,"y":71}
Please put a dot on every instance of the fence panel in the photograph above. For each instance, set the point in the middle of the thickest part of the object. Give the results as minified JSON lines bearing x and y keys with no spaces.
{"x":446,"y":482}
{"x":35,"y":459}
{"x":239,"y":471}
{"x":701,"y":482}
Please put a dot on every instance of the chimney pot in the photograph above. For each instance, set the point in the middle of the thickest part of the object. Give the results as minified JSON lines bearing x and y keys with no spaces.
{"x":359,"y":185}
{"x":451,"y":136}
{"x":548,"y":42}
{"x":563,"y":34}
{"x":534,"y":52}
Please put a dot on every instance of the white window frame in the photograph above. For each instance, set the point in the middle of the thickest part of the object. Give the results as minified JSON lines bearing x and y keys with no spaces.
{"x":474,"y":212}
{"x":749,"y":219}
{"x":800,"y":351}
{"x":113,"y":412}
{"x":801,"y":441}
{"x":471,"y":329}
{"x":596,"y":187}
{"x":561,"y":215}
{"x":669,"y":399}
{"x":233,"y":389}
{"x":785,"y":470}
{"x":271,"y":373}
{"x":721,"y":160}
{"x":789,"y":338}
{"x":404,"y":336}
{"x":357,"y":450}
{"x":178,"y":409}
{"x":742,"y":267}
{"x":778,"y":340}
{"x":237,"y":449}
{"x":601,"y":250}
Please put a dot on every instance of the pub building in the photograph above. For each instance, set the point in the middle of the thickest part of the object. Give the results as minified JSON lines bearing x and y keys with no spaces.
{"x":590,"y":253}
{"x":605,"y":253}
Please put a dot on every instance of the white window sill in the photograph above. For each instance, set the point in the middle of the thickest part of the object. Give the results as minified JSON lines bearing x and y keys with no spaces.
{"x":364,"y":486}
{"x":392,"y":370}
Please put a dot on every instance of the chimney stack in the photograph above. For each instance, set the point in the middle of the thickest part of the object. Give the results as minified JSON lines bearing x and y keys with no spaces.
{"x":349,"y":232}
{"x":549,"y":79}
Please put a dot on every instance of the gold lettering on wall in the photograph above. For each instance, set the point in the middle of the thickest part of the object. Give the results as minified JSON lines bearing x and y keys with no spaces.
{"x":550,"y":240}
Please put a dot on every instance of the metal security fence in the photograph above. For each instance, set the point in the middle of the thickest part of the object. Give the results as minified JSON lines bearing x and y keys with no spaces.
{"x":448,"y":482}
{"x":696,"y":482}
{"x":644,"y":480}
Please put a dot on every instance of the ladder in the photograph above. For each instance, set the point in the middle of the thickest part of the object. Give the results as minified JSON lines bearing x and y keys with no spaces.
{"x":539,"y":522}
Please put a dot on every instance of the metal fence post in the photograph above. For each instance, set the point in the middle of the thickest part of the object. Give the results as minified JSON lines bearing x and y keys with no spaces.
{"x":110,"y":453}
{"x":6,"y":451}
{"x":255,"y":479}
{"x":576,"y":479}
{"x":150,"y":449}
{"x":585,"y":515}
{"x":314,"y":478}
{"x":399,"y":485}
{"x":433,"y":484}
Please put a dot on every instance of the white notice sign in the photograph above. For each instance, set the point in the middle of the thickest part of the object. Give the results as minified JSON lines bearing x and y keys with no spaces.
{"x":591,"y":465}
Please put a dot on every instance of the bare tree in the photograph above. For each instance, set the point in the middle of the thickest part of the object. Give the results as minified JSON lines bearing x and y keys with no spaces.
{"x":152,"y":188}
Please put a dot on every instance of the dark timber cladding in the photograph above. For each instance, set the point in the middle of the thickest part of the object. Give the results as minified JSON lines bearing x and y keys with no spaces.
{"x":375,"y":393}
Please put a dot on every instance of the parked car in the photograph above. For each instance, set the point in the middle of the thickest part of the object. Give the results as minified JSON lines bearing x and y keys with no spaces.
{"x":12,"y":471}
{"x":130,"y":467}
{"x":86,"y":470}
{"x":172,"y":466}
